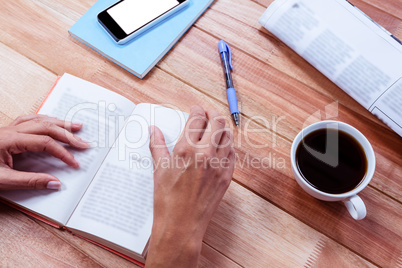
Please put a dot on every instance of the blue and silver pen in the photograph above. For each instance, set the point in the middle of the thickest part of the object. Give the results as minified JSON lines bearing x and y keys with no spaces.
{"x":226,"y":56}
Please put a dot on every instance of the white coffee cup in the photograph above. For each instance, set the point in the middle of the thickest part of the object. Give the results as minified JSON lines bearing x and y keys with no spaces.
{"x":352,"y":201}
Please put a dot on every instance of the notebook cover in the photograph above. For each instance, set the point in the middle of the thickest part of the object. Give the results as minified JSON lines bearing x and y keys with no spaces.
{"x":141,"y":54}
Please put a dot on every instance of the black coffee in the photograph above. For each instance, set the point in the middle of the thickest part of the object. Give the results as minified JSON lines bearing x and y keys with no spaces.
{"x":336,"y":167}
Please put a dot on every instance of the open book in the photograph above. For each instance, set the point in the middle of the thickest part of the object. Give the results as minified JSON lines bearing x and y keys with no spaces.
{"x":109,"y":198}
{"x":348,"y":47}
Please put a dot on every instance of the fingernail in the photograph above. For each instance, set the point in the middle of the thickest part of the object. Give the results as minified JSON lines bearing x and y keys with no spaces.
{"x":76,"y":124}
{"x":53,"y":185}
{"x":85,"y":145}
{"x":76,"y":164}
{"x":82,"y":141}
{"x":150,"y":130}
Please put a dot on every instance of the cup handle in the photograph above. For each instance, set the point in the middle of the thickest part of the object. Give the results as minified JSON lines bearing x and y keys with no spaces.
{"x":356,"y":207}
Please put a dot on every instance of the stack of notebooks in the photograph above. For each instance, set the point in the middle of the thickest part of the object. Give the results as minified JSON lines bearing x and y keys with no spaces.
{"x":145,"y":51}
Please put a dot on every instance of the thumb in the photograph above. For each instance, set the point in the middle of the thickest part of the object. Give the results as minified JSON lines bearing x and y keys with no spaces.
{"x":157,"y":144}
{"x":11,"y":180}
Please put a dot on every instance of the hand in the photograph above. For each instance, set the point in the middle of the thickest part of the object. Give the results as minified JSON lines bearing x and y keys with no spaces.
{"x":187,"y":193}
{"x":35,"y":133}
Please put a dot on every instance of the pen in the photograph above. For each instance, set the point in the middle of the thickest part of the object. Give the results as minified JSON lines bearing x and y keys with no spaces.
{"x":226,"y":56}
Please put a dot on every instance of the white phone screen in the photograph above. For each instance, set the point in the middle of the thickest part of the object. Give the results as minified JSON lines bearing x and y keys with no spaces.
{"x":132,"y":14}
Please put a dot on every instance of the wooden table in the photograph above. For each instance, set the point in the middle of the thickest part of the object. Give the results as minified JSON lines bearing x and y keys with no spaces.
{"x":265,"y":218}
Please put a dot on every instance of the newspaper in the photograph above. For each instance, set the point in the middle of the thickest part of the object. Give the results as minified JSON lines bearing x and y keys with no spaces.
{"x":348,"y":47}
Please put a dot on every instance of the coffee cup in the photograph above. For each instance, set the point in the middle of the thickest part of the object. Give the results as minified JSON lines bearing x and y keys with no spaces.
{"x":333,"y":161}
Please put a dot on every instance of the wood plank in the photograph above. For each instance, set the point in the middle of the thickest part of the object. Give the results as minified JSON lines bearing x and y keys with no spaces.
{"x":17,"y":96}
{"x":273,"y":180}
{"x":262,"y":181}
{"x":17,"y":67}
{"x":392,"y":7}
{"x":93,"y":251}
{"x":212,"y":258}
{"x":362,"y":109}
{"x":209,"y":256}
{"x":68,"y":12}
{"x":398,"y":173}
{"x":104,"y":257}
{"x":24,"y":242}
{"x":256,"y":233}
{"x":237,"y":23}
{"x":4,"y":119}
{"x":250,"y":42}
{"x":39,"y":41}
{"x":13,"y":60}
{"x":379,"y":15}
{"x":265,"y":92}
{"x":387,"y":8}
{"x":300,"y":99}
{"x":389,"y":17}
{"x":325,"y":85}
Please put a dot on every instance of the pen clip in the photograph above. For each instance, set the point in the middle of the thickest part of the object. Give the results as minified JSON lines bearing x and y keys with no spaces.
{"x":223,"y":47}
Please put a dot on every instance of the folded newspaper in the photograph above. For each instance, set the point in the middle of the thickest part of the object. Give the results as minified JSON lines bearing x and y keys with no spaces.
{"x":348,"y":47}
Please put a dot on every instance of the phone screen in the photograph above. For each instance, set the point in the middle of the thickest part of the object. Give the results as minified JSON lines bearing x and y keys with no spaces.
{"x":130,"y":15}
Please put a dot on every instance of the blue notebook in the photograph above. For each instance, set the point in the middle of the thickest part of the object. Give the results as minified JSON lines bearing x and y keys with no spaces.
{"x":144,"y":52}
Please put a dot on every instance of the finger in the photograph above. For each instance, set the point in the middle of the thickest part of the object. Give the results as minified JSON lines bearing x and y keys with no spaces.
{"x":11,"y":180}
{"x":228,"y":167}
{"x":196,"y":124}
{"x":216,"y":125}
{"x":40,"y":143}
{"x":68,"y":125}
{"x":53,"y":130}
{"x":157,"y":144}
{"x":25,"y":118}
{"x":225,"y":144}
{"x":6,"y":158}
{"x":44,"y":119}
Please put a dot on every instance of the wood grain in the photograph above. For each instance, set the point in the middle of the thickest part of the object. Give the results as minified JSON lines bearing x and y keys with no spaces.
{"x":25,"y":243}
{"x":243,"y":31}
{"x":34,"y":85}
{"x":265,"y":218}
{"x":266,"y":236}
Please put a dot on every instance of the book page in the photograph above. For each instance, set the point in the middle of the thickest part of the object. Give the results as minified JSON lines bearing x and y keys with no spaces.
{"x":118,"y":206}
{"x":341,"y":42}
{"x":101,"y":111}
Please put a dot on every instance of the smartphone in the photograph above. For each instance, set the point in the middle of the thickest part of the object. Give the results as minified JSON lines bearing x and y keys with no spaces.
{"x":128,"y":18}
